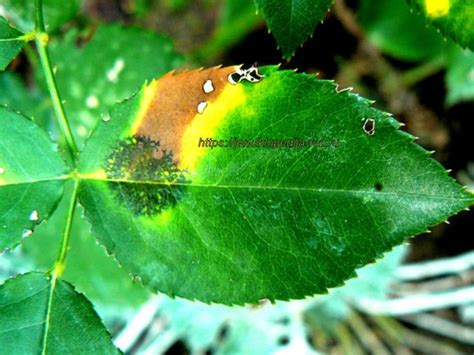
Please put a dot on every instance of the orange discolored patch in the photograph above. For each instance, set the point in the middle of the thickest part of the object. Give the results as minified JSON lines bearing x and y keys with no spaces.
{"x":176,"y":100}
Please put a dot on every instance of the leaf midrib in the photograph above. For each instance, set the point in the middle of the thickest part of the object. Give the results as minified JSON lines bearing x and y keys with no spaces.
{"x":255,"y":187}
{"x":282,"y":188}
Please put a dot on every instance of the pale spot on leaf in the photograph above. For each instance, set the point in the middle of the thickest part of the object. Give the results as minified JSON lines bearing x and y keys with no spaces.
{"x":201,"y":107}
{"x":114,"y":72}
{"x":34,"y":215}
{"x":82,"y":131}
{"x":208,"y":87}
{"x":26,"y":233}
{"x":92,"y":102}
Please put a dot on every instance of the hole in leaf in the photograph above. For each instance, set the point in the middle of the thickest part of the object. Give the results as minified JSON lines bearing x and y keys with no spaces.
{"x":369,"y":126}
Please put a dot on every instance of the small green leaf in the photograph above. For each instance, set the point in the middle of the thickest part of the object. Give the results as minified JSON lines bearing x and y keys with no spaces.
{"x":238,"y":225}
{"x":22,"y":13}
{"x":88,"y":268}
{"x":94,"y":77}
{"x":292,"y":21}
{"x":11,"y":42}
{"x":33,"y":318}
{"x":460,"y":76}
{"x":454,"y":18}
{"x":32,"y":176}
{"x":385,"y":23}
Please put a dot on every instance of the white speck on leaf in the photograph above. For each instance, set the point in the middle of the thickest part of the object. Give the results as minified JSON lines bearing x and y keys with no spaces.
{"x":26,"y":233}
{"x":106,"y":117}
{"x":2,"y":171}
{"x":34,"y":215}
{"x":201,"y":107}
{"x":208,"y":87}
{"x":114,"y":72}
{"x":92,"y":102}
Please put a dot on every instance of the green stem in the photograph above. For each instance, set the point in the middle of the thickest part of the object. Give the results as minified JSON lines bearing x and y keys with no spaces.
{"x":39,"y":20}
{"x":60,"y":260}
{"x":414,"y":76}
{"x":41,"y":40}
{"x":60,"y":263}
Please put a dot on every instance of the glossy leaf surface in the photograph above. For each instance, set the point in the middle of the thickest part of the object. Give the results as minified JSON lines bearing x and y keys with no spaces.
{"x":11,"y":43}
{"x":35,"y":320}
{"x":292,"y":21}
{"x":235,"y":225}
{"x":32,"y":175}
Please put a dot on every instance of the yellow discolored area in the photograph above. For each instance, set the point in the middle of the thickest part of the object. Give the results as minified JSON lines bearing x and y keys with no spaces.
{"x":163,"y":218}
{"x":179,"y":108}
{"x":205,"y":125}
{"x":148,"y":96}
{"x":96,"y":175}
{"x":437,"y":8}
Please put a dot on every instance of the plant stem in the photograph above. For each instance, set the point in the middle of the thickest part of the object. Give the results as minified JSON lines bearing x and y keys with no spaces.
{"x":39,"y":20}
{"x":41,"y":40}
{"x":59,"y":265}
{"x":414,"y":76}
{"x":60,"y":260}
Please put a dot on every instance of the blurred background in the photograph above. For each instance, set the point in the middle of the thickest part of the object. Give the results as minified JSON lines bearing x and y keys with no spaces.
{"x":419,"y":299}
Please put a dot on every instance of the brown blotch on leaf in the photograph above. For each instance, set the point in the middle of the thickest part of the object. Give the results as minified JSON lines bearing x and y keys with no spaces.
{"x":175,"y":105}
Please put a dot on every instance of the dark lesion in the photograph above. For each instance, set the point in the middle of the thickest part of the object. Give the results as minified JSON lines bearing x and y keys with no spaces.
{"x":145,"y":178}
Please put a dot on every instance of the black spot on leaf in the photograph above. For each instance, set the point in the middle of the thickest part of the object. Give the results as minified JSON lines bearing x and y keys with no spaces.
{"x":147,"y":180}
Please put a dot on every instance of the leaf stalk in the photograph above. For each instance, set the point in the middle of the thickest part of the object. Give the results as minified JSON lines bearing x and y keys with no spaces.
{"x":41,"y":40}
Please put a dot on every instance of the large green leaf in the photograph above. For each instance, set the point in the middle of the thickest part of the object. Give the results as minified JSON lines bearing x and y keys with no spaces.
{"x":94,"y":77}
{"x":460,"y":76}
{"x":11,"y":42}
{"x":292,"y":21}
{"x":32,"y":175}
{"x":452,"y":17}
{"x":239,"y":225}
{"x":385,"y":23}
{"x":88,"y":268}
{"x":22,"y":13}
{"x":35,"y":320}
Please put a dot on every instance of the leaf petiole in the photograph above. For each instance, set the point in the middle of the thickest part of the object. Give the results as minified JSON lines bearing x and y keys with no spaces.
{"x":41,"y":39}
